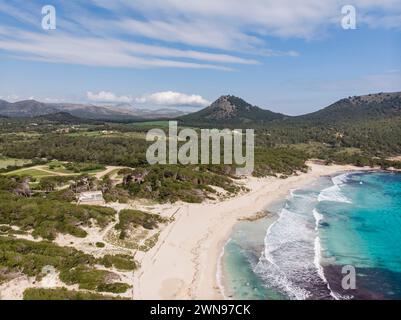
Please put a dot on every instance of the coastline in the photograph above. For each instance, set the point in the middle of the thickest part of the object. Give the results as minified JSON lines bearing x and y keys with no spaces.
{"x":184,"y":263}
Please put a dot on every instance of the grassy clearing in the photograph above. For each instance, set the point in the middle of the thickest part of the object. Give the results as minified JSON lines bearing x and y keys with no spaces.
{"x":147,"y":124}
{"x":5,"y":162}
{"x":87,"y":134}
{"x":34,"y":173}
{"x":31,"y":134}
{"x":73,"y":167}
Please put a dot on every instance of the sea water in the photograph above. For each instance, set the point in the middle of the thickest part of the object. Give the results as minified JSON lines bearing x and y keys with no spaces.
{"x":350,"y":219}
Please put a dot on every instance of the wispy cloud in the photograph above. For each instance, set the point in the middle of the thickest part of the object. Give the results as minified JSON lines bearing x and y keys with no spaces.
{"x":92,"y":51}
{"x":229,"y":22}
{"x":205,"y":34}
{"x":119,"y":42}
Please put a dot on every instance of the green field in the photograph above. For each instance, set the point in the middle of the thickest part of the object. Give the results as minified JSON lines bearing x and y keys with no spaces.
{"x":34,"y":173}
{"x":88,"y":134}
{"x":147,"y":124}
{"x":62,"y":167}
{"x":108,"y":134}
{"x":5,"y":162}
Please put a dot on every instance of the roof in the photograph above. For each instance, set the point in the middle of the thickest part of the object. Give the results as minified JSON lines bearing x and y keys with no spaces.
{"x":91,"y":193}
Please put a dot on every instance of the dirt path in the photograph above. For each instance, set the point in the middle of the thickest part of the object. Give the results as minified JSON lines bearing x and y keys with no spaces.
{"x":109,"y":169}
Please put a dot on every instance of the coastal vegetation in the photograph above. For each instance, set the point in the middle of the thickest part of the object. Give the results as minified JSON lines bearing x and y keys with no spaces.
{"x":46,"y":218}
{"x":63,"y":294}
{"x":92,"y":279}
{"x":135,"y":218}
{"x":74,"y":267}
{"x":170,"y":183}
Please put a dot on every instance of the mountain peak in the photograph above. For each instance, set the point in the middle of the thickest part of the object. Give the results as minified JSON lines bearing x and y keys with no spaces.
{"x":229,"y":109}
{"x":236,"y":101}
{"x":230,"y":104}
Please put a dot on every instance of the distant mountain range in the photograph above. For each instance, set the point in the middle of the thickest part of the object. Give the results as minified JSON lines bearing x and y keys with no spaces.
{"x":33,"y":108}
{"x":225,"y":111}
{"x":231,"y":110}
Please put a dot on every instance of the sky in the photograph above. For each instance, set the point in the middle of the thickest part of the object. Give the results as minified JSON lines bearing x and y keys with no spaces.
{"x":289,"y":56}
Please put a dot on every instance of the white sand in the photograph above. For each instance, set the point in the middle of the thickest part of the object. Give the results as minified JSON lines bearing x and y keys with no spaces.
{"x":183,"y":264}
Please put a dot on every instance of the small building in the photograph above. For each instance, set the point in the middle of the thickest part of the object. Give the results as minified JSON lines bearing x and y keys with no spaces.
{"x":63,"y":130}
{"x":90,"y":197}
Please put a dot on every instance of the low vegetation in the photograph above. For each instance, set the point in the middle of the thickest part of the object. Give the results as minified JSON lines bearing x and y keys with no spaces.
{"x":46,"y":218}
{"x":119,"y":261}
{"x":63,"y":294}
{"x":135,"y":218}
{"x":92,"y":279}
{"x":171,"y":183}
{"x":75,"y":267}
{"x":83,"y":167}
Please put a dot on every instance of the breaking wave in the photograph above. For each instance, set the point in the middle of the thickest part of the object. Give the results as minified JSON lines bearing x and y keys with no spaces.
{"x":334,"y":192}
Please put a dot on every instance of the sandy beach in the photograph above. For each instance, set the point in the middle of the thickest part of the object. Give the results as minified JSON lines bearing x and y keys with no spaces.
{"x":183,"y":264}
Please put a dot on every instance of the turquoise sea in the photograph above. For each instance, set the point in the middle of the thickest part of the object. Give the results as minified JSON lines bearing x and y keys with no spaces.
{"x":351,"y":219}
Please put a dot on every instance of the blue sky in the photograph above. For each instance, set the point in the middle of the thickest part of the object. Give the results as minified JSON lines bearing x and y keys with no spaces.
{"x":288,"y":56}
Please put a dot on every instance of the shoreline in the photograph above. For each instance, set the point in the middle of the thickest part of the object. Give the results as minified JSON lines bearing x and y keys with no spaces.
{"x":185,"y":262}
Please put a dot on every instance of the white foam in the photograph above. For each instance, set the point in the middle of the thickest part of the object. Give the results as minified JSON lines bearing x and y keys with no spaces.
{"x":318,"y":217}
{"x":288,"y":230}
{"x":219,"y":273}
{"x":318,"y":254}
{"x":334,"y":192}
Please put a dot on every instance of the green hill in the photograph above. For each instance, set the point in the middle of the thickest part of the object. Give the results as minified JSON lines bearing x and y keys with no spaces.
{"x":231,"y":110}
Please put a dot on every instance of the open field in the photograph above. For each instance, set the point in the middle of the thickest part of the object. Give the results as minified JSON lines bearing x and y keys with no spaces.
{"x":34,"y":173}
{"x":21,"y":134}
{"x":41,"y":171}
{"x":89,"y":134}
{"x":5,"y":162}
{"x":147,"y":124}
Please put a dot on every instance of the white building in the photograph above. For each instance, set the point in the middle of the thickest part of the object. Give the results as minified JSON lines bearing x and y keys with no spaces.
{"x":89,"y":197}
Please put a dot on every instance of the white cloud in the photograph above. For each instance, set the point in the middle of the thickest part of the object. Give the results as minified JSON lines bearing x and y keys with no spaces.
{"x":171,"y":98}
{"x":10,"y":97}
{"x":51,"y":100}
{"x":64,"y":48}
{"x":105,"y":96}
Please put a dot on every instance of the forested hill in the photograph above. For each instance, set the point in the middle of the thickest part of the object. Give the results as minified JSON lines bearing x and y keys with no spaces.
{"x":231,"y":110}
{"x":359,"y":108}
{"x":371,"y":122}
